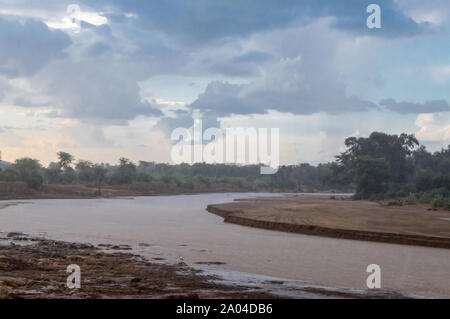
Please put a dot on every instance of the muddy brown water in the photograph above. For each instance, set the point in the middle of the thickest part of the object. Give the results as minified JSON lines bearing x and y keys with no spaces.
{"x":168,"y":227}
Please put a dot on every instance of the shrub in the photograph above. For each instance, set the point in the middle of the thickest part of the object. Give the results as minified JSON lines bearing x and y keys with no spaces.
{"x":144,"y":177}
{"x":440,"y":201}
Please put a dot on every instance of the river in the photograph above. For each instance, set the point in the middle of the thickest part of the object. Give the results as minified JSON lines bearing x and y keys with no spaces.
{"x":170,"y":227}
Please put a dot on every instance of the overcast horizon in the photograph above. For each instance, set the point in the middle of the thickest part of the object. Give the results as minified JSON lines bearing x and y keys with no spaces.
{"x":118,"y":82}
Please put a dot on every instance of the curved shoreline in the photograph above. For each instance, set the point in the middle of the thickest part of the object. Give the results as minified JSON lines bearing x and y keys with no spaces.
{"x":383,"y":237}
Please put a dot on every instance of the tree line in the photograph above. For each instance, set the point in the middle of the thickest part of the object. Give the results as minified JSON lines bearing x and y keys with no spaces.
{"x":380,"y":166}
{"x":66,"y":170}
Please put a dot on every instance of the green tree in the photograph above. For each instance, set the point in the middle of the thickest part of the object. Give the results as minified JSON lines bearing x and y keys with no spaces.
{"x":423,"y":180}
{"x":85,"y":171}
{"x":125,"y":173}
{"x":29,"y":172}
{"x":390,"y":155}
{"x":372,"y":176}
{"x":65,"y":159}
{"x":99,"y":175}
{"x":9,"y":175}
{"x":52,"y":175}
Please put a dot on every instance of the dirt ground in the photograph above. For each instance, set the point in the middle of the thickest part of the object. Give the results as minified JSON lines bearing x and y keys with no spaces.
{"x":36,"y":268}
{"x":341,"y":217}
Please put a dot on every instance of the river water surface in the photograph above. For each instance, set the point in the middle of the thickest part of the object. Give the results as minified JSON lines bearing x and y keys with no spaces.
{"x":170,"y":227}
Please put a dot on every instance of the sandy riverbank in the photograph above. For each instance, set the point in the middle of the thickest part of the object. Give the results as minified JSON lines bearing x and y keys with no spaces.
{"x":342,"y":218}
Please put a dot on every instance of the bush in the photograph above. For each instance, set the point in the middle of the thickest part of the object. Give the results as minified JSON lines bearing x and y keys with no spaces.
{"x":188,"y":184}
{"x":423,"y":181}
{"x":29,"y":172}
{"x":440,"y":201}
{"x":204,"y":180}
{"x":166,"y":179}
{"x":438,"y":197}
{"x":35,"y":181}
{"x":144,"y":177}
{"x":9,"y":175}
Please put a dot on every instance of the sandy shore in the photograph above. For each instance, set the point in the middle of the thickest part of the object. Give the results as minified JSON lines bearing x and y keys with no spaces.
{"x":342,"y":218}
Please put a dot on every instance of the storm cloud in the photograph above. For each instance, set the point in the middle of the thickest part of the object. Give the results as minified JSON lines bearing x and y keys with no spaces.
{"x":409,"y":107}
{"x":27,"y":47}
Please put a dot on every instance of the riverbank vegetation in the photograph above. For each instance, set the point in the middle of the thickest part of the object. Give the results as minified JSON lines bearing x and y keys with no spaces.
{"x":384,"y":166}
{"x":68,"y":171}
{"x":378,"y":167}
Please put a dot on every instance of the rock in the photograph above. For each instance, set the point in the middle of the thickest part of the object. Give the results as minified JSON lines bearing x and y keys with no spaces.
{"x":4,"y":291}
{"x":105,"y":245}
{"x":76,"y":258}
{"x":15,"y":235}
{"x":13,"y":281}
{"x":397,"y":203}
{"x":94,"y":261}
{"x":45,"y":262}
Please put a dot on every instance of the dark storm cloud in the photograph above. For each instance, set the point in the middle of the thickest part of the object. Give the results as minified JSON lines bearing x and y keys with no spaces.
{"x":27,"y":47}
{"x":99,"y":78}
{"x":199,"y":21}
{"x":408,"y":107}
{"x":223,"y":99}
{"x":94,"y":89}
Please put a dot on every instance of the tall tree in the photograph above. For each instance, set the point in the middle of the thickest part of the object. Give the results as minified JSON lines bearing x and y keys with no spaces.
{"x":65,"y":159}
{"x":388,"y":154}
{"x":28,"y":170}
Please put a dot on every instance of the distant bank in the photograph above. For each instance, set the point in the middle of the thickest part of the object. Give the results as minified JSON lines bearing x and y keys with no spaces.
{"x":341,"y":217}
{"x":20,"y":190}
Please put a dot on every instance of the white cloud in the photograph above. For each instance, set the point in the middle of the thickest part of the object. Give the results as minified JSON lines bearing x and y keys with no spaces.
{"x":433,"y":11}
{"x":105,"y":75}
{"x":433,"y":127}
{"x":301,"y":78}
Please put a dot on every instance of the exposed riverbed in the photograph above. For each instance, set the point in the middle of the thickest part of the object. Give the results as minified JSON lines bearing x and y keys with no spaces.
{"x":165,"y":228}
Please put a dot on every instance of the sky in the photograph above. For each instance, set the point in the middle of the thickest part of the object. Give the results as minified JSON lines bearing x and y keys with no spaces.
{"x":117,"y":77}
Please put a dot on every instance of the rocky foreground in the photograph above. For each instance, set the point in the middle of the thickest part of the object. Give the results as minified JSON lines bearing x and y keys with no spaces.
{"x":36,"y":268}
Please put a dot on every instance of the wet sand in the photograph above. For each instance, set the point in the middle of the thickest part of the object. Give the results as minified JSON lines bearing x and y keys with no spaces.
{"x":166,"y":227}
{"x":342,"y":217}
